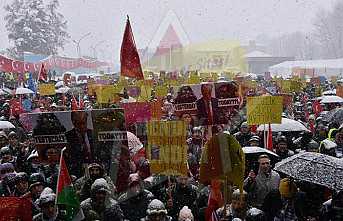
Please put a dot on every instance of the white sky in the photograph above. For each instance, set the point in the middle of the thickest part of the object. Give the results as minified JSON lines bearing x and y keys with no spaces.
{"x":202,"y":20}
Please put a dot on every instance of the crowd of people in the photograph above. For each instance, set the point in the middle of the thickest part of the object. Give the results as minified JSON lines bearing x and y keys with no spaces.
{"x":267,"y":195}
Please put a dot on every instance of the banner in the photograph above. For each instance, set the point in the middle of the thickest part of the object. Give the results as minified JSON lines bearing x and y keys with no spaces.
{"x":15,"y":208}
{"x":264,"y":110}
{"x":207,"y":103}
{"x":51,"y":62}
{"x":46,"y":89}
{"x":167,"y":148}
{"x":89,"y":136}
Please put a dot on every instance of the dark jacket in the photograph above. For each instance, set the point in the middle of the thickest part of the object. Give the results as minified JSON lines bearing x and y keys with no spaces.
{"x":184,"y":197}
{"x":112,"y":211}
{"x":202,"y":113}
{"x":134,"y":206}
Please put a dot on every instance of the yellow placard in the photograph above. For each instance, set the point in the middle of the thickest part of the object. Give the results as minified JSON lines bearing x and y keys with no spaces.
{"x":161,"y":91}
{"x":194,"y":78}
{"x":145,"y":93}
{"x":167,"y":148}
{"x":106,"y":94}
{"x":46,"y":89}
{"x":264,"y":110}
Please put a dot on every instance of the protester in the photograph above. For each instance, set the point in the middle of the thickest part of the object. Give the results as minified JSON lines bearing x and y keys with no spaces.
{"x":100,"y":206}
{"x":258,"y":186}
{"x":244,"y":135}
{"x":183,"y":194}
{"x":156,"y":212}
{"x":46,"y":203}
{"x":238,"y":207}
{"x":134,"y":202}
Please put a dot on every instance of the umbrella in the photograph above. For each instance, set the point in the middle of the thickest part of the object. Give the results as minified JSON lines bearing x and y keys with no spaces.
{"x":331,"y":99}
{"x":252,"y":154}
{"x":6,"y":125}
{"x":314,"y":168}
{"x":62,"y":90}
{"x":22,"y":90}
{"x":59,"y":84}
{"x":335,"y":116}
{"x":332,"y":92}
{"x":285,"y":126}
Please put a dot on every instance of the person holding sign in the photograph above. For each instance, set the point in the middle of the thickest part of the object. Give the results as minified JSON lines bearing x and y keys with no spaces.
{"x":207,"y":106}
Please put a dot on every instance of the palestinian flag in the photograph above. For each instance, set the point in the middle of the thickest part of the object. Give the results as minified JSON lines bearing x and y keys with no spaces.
{"x":67,"y":201}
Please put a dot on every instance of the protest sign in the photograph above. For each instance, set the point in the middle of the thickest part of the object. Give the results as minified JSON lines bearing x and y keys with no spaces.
{"x":264,"y":110}
{"x":106,"y":94}
{"x":207,"y":103}
{"x":15,"y":208}
{"x":87,"y":135}
{"x":46,"y":89}
{"x":194,"y":78}
{"x":167,"y":148}
{"x":111,"y":146}
{"x":161,"y":91}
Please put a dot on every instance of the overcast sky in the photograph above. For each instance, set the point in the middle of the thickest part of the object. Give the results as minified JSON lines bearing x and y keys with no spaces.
{"x":202,"y":20}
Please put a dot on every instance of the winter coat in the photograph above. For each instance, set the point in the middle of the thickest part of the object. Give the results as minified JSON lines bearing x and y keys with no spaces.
{"x":184,"y":197}
{"x":134,"y":207}
{"x":242,"y":138}
{"x":258,"y":189}
{"x":83,"y":187}
{"x":112,"y":211}
{"x":330,"y":213}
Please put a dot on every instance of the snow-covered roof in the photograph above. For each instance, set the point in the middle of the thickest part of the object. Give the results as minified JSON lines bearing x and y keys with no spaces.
{"x":257,"y":54}
{"x":169,"y":24}
{"x":328,"y":63}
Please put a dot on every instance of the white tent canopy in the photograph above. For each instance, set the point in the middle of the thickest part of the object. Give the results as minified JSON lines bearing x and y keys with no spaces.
{"x":326,"y":66}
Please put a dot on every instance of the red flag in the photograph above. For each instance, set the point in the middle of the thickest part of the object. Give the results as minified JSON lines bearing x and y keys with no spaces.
{"x":74,"y":105}
{"x":215,"y":200}
{"x":43,"y":74}
{"x":270,"y":138}
{"x":129,"y":59}
{"x":253,"y":128}
{"x":317,"y":108}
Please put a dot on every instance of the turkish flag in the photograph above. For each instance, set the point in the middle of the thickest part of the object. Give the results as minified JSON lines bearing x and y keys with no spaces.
{"x":129,"y":59}
{"x":43,"y":74}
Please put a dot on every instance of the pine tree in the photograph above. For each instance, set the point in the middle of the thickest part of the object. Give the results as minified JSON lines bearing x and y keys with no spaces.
{"x":35,"y":27}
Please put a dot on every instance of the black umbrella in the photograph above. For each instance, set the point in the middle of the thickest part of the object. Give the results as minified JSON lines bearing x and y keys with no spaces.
{"x":314,"y":168}
{"x":252,"y":154}
{"x":334,"y":116}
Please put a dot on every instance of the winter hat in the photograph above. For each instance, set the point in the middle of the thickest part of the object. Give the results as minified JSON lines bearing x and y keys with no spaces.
{"x":100,"y":185}
{"x":255,"y":214}
{"x":156,"y":207}
{"x":46,"y":196}
{"x":134,"y":178}
{"x":287,"y":188}
{"x":21,"y":176}
{"x":186,"y":214}
{"x":6,"y":168}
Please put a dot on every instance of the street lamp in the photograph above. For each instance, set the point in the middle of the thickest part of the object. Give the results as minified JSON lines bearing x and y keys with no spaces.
{"x":78,"y":48}
{"x":94,"y":48}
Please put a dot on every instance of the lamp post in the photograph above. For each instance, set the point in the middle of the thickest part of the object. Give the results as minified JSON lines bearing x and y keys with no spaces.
{"x":94,"y":48}
{"x":78,"y":48}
